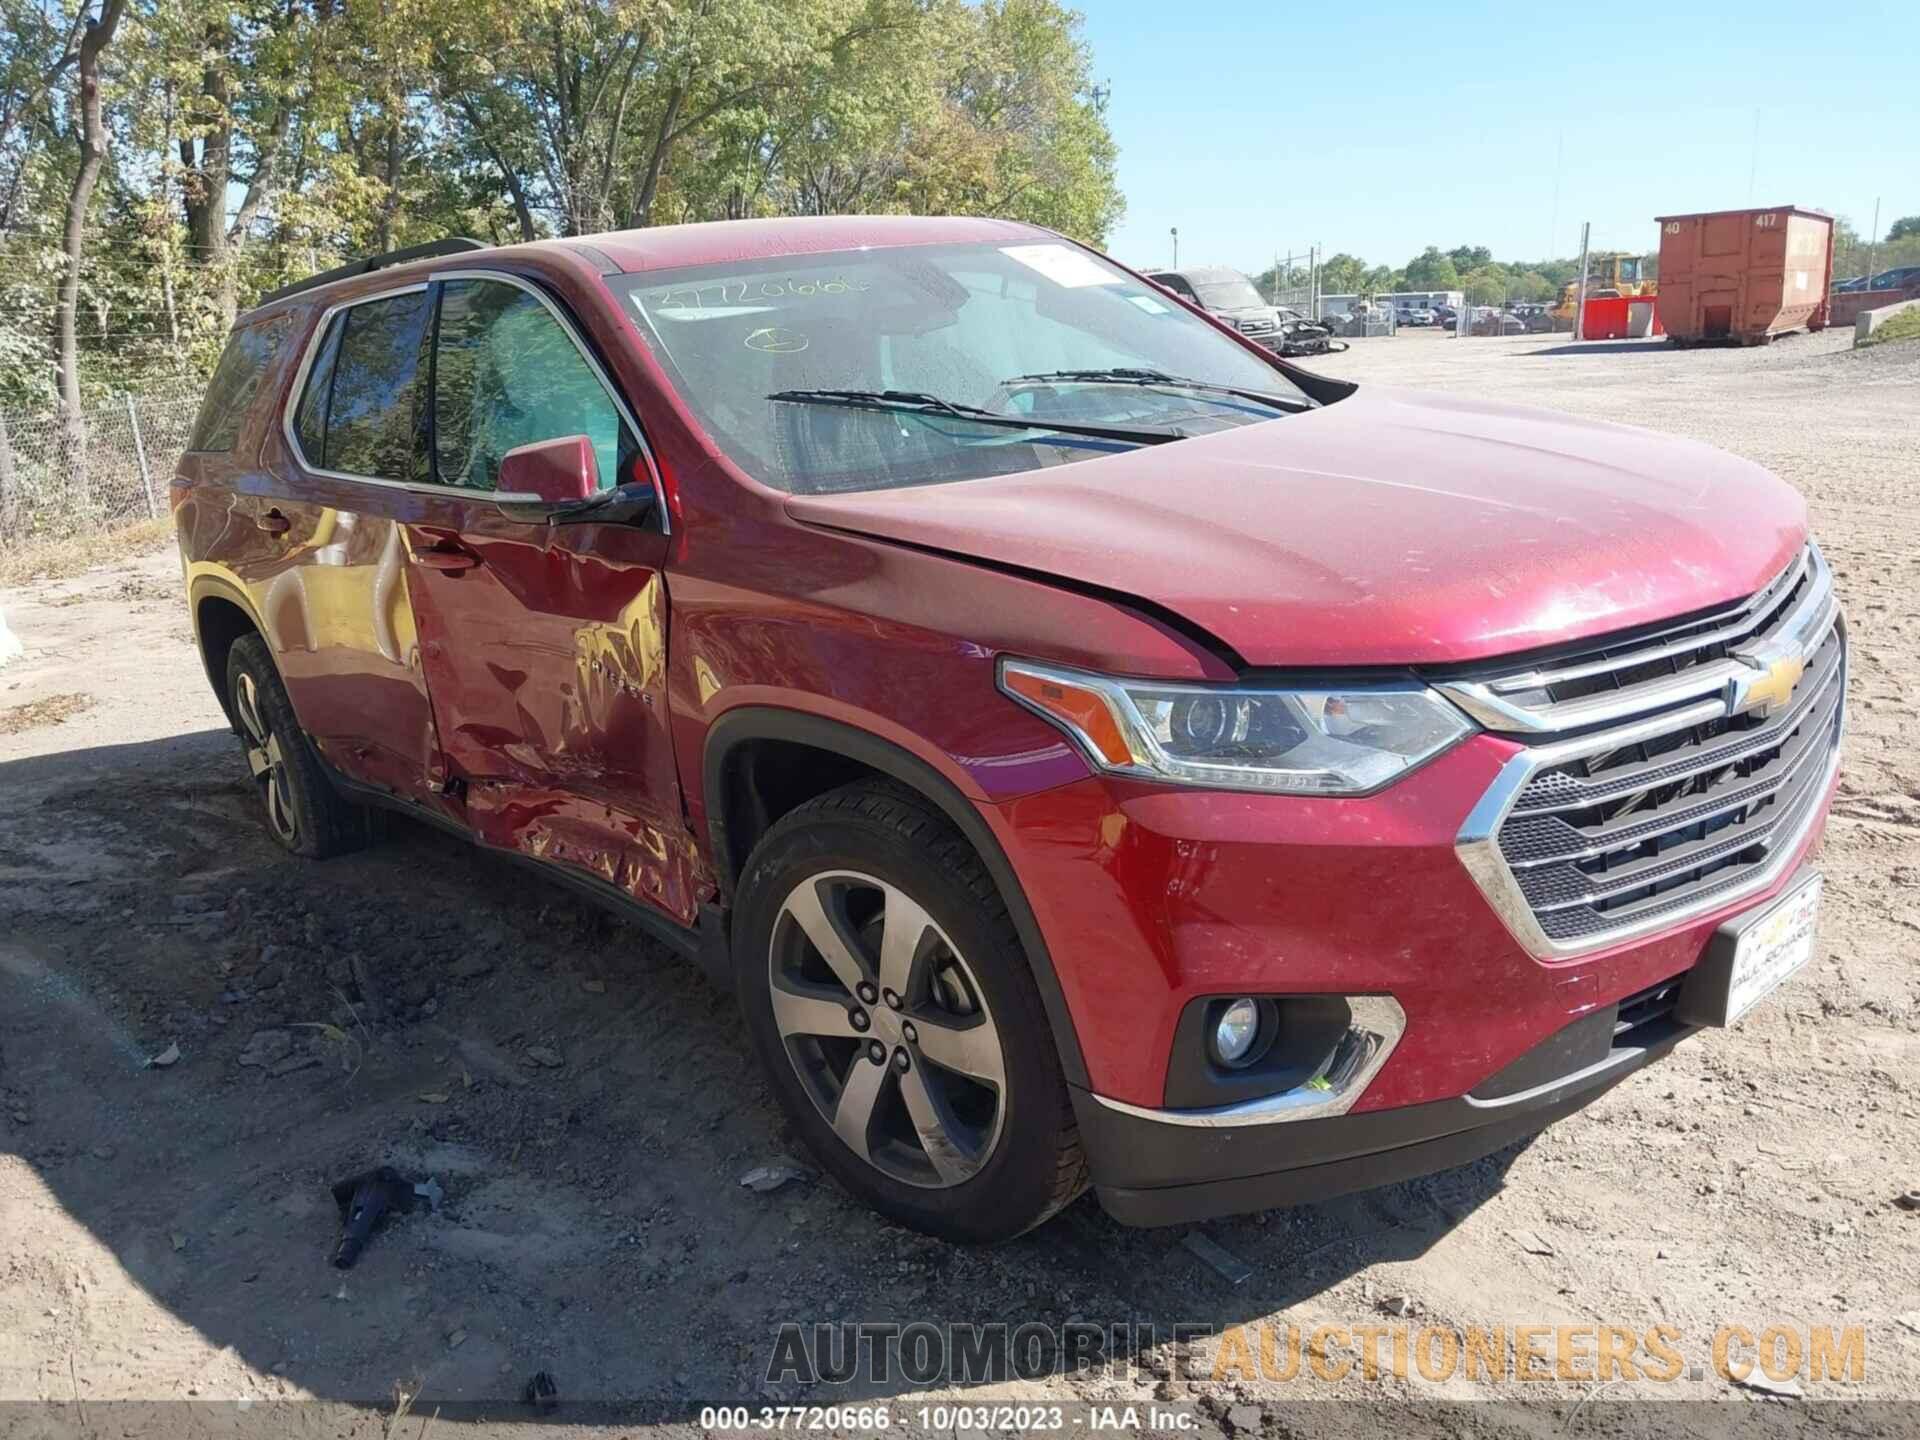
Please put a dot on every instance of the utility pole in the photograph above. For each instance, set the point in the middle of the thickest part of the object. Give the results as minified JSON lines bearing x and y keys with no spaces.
{"x":1580,"y":310}
{"x":1174,"y":231}
{"x":1873,"y":241}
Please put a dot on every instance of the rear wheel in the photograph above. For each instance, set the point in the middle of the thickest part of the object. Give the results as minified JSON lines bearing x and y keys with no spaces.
{"x":891,"y":1005}
{"x":303,"y":810}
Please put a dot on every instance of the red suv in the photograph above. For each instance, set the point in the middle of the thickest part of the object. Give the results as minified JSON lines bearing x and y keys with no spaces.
{"x":1094,"y":750}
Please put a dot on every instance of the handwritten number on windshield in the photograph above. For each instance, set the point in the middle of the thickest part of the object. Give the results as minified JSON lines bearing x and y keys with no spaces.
{"x":723,"y":293}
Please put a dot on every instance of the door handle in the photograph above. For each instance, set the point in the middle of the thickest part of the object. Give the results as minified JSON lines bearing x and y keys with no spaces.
{"x":273,"y":522}
{"x":445,"y":558}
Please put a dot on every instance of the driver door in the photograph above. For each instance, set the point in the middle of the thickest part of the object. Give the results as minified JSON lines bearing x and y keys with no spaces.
{"x":544,"y":644}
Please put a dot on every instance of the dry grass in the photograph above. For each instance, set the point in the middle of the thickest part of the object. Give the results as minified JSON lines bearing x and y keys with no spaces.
{"x":53,"y":710}
{"x":57,"y":559}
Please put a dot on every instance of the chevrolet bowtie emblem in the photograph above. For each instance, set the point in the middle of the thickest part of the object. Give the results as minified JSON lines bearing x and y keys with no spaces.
{"x":1768,"y":690}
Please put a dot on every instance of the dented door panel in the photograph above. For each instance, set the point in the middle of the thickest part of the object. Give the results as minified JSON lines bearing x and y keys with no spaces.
{"x":547,"y":664}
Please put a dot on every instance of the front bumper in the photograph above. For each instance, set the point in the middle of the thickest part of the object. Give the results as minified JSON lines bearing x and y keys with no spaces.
{"x":1154,"y":1172}
{"x":1150,"y":898}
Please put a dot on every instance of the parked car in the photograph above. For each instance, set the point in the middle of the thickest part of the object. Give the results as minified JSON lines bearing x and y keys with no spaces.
{"x":1416,"y":315}
{"x":1084,"y":746}
{"x":1492,"y":320}
{"x":1900,"y":277}
{"x":1535,"y":319}
{"x":1227,"y":294}
{"x":1301,"y":336}
{"x":1446,"y":315}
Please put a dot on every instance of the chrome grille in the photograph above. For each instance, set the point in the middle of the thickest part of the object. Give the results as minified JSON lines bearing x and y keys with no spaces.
{"x":1665,"y":773}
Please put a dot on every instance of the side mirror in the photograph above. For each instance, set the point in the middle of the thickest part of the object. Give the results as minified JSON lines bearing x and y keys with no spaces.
{"x":556,"y":472}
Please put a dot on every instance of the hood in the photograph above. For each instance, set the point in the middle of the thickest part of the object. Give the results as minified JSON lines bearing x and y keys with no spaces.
{"x":1391,"y":528}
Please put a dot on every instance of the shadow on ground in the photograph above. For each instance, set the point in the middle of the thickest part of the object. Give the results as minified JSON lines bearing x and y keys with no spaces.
{"x":1604,"y":347}
{"x":587,"y":1102}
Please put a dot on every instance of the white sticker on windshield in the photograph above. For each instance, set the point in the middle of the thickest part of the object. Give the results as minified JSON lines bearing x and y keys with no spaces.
{"x":1148,"y":304}
{"x":1063,"y":265}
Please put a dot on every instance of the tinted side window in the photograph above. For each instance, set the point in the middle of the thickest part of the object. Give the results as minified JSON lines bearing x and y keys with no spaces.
{"x":507,"y":374}
{"x":310,"y":420}
{"x":230,"y":393}
{"x":370,"y":413}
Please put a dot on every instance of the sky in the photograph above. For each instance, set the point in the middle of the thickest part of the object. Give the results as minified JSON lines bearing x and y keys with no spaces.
{"x":1379,"y":129}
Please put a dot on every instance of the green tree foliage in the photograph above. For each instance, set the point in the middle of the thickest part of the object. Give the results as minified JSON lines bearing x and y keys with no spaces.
{"x":1343,"y":274}
{"x":1857,"y":254}
{"x":256,"y":141}
{"x":1432,"y":270}
{"x":1530,"y":287}
{"x":1486,"y":286}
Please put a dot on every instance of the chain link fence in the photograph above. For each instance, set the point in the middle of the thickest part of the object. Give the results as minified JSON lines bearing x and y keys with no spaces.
{"x":64,"y":475}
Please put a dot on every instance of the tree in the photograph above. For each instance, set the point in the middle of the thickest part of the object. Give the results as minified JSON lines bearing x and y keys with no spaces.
{"x":1485,"y":286}
{"x":258,"y":141}
{"x":1342,"y":274}
{"x":93,"y":154}
{"x":1905,"y":226}
{"x":1470,"y":257}
{"x":1431,"y":270}
{"x":1529,"y":287}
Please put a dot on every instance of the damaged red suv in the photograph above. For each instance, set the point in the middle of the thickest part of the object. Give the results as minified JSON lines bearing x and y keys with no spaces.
{"x":1094,"y":750}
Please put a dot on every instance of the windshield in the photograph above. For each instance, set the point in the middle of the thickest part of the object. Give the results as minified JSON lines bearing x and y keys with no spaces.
{"x":973,"y":325}
{"x":1236,"y":293}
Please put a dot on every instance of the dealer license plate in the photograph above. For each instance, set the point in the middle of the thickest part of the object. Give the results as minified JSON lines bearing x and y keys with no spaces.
{"x":1751,"y":956}
{"x":1773,"y":947}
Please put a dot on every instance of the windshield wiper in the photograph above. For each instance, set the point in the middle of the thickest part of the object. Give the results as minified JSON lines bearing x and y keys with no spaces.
{"x":1124,"y":375}
{"x":917,"y":402}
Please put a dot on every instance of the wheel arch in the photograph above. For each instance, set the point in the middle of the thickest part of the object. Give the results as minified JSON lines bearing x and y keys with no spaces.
{"x":222,"y":614}
{"x":740,"y":807}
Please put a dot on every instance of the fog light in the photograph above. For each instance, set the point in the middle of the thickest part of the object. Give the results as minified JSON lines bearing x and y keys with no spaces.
{"x":1235,"y":1032}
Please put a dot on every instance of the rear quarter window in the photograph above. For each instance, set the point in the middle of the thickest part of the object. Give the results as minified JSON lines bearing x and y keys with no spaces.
{"x":365,"y":381}
{"x":250,"y":350}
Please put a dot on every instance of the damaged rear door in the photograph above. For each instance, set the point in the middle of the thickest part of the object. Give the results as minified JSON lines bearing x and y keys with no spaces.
{"x":545,"y":645}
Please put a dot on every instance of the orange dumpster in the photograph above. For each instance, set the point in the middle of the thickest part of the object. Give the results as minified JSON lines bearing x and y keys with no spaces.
{"x":1744,"y":275}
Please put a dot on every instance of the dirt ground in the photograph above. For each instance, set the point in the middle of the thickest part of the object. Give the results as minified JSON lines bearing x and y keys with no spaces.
{"x":589,"y":1105}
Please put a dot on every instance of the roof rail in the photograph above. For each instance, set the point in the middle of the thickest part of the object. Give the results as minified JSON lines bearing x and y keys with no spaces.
{"x":452,"y":245}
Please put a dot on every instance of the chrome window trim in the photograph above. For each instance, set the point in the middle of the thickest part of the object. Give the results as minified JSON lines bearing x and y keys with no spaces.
{"x":1478,"y":844}
{"x":1377,"y":1025}
{"x":297,"y":394}
{"x":430,"y":487}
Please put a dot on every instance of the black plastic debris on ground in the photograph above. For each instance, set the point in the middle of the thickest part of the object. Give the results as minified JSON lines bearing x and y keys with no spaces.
{"x":365,"y":1200}
{"x":541,"y":1392}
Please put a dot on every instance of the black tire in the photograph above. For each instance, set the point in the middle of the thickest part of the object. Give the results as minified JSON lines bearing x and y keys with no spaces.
{"x":304,"y":813}
{"x":1033,"y":1164}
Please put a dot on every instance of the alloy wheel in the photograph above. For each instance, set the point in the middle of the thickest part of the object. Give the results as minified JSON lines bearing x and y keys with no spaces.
{"x":887,"y":1029}
{"x":265,"y":759}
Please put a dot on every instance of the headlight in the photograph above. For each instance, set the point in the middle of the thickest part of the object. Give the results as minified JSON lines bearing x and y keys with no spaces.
{"x":1337,"y":741}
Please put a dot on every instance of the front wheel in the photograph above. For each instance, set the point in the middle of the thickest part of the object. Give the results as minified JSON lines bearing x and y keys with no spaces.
{"x":891,"y":1005}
